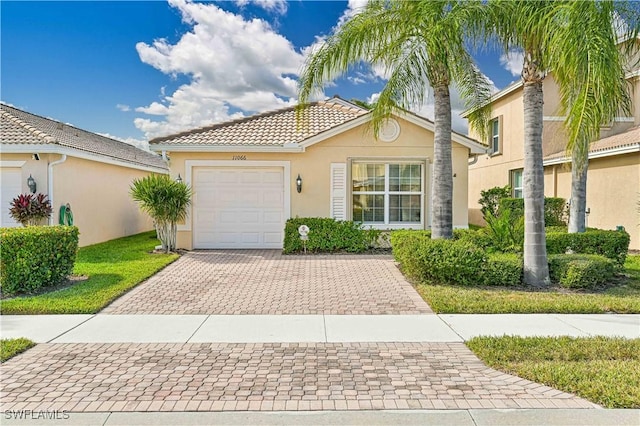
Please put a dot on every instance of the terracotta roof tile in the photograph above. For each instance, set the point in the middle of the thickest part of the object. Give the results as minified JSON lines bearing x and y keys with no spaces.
{"x":21,"y":127}
{"x":274,"y":128}
{"x":629,"y":137}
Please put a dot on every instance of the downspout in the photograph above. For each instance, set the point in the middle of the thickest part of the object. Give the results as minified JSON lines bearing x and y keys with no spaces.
{"x":50,"y":182}
{"x":475,"y":159}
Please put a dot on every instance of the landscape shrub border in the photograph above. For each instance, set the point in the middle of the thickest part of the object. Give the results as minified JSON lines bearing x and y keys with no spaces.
{"x":36,"y":256}
{"x":555,"y":209}
{"x":456,"y":261}
{"x":587,"y":271}
{"x":327,"y":235}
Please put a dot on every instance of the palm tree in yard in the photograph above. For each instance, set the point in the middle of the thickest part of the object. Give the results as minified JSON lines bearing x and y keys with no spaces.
{"x":526,"y":25}
{"x":421,"y":46}
{"x":590,"y":72}
{"x":558,"y":35}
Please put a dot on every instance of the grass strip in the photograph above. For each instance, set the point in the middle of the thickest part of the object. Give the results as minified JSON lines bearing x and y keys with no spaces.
{"x":601,"y":369}
{"x":12,"y":347}
{"x":112,"y":268}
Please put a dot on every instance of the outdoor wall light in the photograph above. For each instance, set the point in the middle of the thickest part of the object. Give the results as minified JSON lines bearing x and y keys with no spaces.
{"x":31,"y":183}
{"x":179,"y":178}
{"x":299,"y":183}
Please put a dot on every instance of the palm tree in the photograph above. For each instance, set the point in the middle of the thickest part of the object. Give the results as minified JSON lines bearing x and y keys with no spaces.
{"x":526,"y":25}
{"x":420,"y":45}
{"x":590,"y":72}
{"x":166,"y":201}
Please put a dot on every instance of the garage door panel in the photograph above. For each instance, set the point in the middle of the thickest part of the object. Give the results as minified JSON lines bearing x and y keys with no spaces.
{"x":11,"y":181}
{"x":238,"y":208}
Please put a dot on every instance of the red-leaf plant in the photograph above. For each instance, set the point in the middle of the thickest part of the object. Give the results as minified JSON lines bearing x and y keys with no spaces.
{"x":30,"y":209}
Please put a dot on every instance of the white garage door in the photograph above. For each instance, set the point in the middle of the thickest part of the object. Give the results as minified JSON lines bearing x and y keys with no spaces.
{"x":238,"y":207}
{"x":11,"y":182}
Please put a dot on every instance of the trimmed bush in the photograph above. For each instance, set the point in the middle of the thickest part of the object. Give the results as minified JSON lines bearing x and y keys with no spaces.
{"x":36,"y":257}
{"x":442,"y":261}
{"x":580,"y":270}
{"x":328,"y":235}
{"x":554,"y":209}
{"x":503,"y":269}
{"x":611,"y":244}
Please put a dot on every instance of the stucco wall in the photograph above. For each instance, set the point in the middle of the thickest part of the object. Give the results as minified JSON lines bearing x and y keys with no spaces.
{"x":314,"y":167}
{"x":612,"y":192}
{"x":99,"y":197}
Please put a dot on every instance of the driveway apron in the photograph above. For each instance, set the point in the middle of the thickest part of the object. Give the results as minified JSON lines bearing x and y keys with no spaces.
{"x":262,"y":376}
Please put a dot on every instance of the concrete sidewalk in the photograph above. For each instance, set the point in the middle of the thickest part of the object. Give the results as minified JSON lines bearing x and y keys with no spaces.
{"x":384,"y":417}
{"x":103,"y":328}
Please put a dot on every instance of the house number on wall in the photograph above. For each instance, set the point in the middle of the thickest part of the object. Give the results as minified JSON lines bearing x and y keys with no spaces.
{"x":239,"y":157}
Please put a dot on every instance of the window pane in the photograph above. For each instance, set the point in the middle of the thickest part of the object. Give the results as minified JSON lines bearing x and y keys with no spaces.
{"x":405,"y":177}
{"x":368,"y":208}
{"x":367,"y":177}
{"x":404,"y":208}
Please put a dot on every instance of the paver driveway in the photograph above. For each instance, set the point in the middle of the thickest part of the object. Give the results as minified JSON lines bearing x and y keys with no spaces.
{"x":267,"y":282}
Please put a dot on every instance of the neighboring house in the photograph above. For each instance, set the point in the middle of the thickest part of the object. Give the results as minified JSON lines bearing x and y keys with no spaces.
{"x":613,"y":181}
{"x":244,"y":172}
{"x":91,"y":173}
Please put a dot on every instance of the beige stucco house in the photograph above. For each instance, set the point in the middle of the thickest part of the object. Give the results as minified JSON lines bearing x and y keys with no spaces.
{"x":244,"y":173}
{"x":613,"y":181}
{"x":89,"y":172}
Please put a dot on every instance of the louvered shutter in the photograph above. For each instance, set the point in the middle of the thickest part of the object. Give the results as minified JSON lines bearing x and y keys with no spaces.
{"x":338,"y":208}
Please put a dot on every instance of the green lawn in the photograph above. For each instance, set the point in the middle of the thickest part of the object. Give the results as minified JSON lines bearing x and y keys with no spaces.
{"x":603,"y":370}
{"x":12,"y":347}
{"x":113,"y":268}
{"x":624,"y":298}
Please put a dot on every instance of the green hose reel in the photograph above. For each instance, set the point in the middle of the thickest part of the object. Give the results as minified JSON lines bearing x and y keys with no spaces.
{"x":66,"y":216}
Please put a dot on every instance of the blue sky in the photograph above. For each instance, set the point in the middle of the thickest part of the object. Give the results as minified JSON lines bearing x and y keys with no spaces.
{"x":140,"y":69}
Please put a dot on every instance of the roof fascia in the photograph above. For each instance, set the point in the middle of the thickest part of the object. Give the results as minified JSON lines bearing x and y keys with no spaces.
{"x":628,"y":149}
{"x":287,"y":147}
{"x":72,"y":152}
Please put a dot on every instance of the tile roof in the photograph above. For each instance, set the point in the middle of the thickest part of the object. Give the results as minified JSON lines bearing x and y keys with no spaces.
{"x":628,"y":138}
{"x":274,"y":128}
{"x":21,"y":127}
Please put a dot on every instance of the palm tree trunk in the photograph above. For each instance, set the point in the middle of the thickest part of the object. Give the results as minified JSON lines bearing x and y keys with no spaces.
{"x":577,"y":209}
{"x":442,"y":181}
{"x":536,"y":268}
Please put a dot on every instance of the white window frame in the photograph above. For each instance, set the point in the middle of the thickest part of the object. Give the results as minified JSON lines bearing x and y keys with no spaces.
{"x":387,"y":193}
{"x":495,"y":136}
{"x":515,"y":188}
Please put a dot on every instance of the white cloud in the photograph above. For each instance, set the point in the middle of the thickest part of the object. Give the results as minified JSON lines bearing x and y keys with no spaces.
{"x":233,"y":64}
{"x":123,"y":108}
{"x":276,"y":6}
{"x":512,"y":61}
{"x":353,"y":8}
{"x":144,"y":145}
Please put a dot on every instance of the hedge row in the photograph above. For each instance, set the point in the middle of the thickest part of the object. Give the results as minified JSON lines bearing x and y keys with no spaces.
{"x":36,"y":257}
{"x":328,"y":235}
{"x":611,"y":244}
{"x":460,"y":261}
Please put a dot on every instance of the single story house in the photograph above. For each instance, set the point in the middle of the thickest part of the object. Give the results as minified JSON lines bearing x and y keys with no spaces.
{"x":90,"y":173}
{"x":250,"y":175}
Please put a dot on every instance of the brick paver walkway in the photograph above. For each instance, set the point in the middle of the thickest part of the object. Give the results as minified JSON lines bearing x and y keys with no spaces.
{"x":214,"y":377}
{"x":267,"y":282}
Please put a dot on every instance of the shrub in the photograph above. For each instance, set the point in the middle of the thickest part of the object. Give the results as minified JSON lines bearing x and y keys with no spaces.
{"x":580,"y":270}
{"x":505,"y":233}
{"x":611,"y":244}
{"x":503,"y":269}
{"x":30,"y":209}
{"x":490,"y":199}
{"x":328,"y":235}
{"x":166,"y":201}
{"x":36,"y":257}
{"x":554,"y":209}
{"x":443,"y":261}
